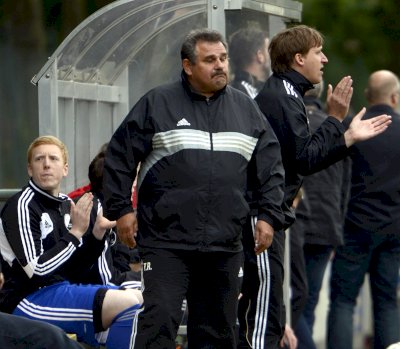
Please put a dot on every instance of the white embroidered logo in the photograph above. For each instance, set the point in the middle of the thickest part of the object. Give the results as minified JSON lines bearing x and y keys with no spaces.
{"x":289,"y":88}
{"x":147,"y":266}
{"x":46,"y":225}
{"x":67,"y":221}
{"x":183,"y":122}
{"x":240,"y":272}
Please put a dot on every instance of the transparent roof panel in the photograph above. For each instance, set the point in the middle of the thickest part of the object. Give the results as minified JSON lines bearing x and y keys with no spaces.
{"x":144,"y":36}
{"x":103,"y":45}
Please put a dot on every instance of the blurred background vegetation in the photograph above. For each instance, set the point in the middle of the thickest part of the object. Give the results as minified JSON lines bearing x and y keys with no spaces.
{"x":360,"y":36}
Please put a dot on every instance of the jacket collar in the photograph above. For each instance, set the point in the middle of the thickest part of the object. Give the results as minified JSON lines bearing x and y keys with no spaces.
{"x":299,"y":82}
{"x":251,"y":79}
{"x":61,"y":198}
{"x":381,"y":109}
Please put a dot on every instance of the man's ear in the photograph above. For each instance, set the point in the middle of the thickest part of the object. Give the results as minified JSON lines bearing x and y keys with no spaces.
{"x":66,"y":168}
{"x":29,"y":168}
{"x":298,"y":59}
{"x":394,"y":99}
{"x":187,"y":66}
{"x":260,"y":56}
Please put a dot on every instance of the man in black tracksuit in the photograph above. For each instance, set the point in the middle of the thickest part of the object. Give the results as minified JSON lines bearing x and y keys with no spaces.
{"x":248,"y":51}
{"x":297,"y":61}
{"x":317,"y":231}
{"x":199,"y":142}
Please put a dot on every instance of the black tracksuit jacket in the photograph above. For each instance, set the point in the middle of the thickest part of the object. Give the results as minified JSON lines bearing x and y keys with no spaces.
{"x":197,"y":156}
{"x":281,"y":101}
{"x":37,"y":247}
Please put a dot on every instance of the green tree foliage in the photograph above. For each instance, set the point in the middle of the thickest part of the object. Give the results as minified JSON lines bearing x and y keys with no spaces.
{"x":30,"y":31}
{"x":360,"y":36}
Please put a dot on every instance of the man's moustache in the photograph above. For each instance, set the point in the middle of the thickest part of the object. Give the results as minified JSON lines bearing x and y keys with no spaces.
{"x":219,"y":73}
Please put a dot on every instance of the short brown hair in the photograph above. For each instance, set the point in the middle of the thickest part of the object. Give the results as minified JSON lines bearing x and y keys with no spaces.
{"x":287,"y":43}
{"x":47,"y":140}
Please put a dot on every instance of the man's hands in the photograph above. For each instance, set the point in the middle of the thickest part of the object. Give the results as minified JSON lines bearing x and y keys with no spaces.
{"x":127,"y":228}
{"x":338,"y":100}
{"x":263,"y":236}
{"x":289,"y":338}
{"x":361,"y":130}
{"x":80,"y":215}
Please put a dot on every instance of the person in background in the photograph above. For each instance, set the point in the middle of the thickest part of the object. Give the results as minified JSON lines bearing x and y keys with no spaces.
{"x":199,"y":142}
{"x":297,"y":62}
{"x":115,"y":264}
{"x":318,"y":228}
{"x":44,"y":246}
{"x":248,"y":51}
{"x":371,"y":230}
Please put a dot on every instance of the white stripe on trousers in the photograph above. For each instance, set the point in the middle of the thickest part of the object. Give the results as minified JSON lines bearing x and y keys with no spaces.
{"x":136,"y":318}
{"x":261,"y":317}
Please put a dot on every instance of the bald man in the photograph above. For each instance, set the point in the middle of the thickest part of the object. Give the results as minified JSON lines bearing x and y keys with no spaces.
{"x":372,"y":226}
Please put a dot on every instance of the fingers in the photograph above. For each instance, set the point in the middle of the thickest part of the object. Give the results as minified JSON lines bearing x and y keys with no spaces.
{"x":360,"y":114}
{"x":361,"y":130}
{"x":263,"y":236}
{"x":126,"y":229}
{"x":85,"y":203}
{"x":260,"y":247}
{"x":338,"y":100}
{"x":80,"y":215}
{"x":329,"y":91}
{"x":344,"y":88}
{"x":381,"y":123}
{"x":383,"y":119}
{"x":104,"y":222}
{"x":127,"y":239}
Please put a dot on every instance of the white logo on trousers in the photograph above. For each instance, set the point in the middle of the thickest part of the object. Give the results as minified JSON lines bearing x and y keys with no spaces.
{"x":147,"y":266}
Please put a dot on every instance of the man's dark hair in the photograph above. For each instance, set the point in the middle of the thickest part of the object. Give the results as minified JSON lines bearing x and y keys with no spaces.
{"x":95,"y":172}
{"x":188,"y":49}
{"x":244,"y":45}
{"x":287,"y":43}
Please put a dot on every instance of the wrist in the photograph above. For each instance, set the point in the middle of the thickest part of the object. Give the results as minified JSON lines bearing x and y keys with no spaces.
{"x":99,"y":233}
{"x":349,"y":138}
{"x":76,"y":232}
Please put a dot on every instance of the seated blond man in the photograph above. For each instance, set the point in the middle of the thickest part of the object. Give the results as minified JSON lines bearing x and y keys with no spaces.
{"x":43,"y":241}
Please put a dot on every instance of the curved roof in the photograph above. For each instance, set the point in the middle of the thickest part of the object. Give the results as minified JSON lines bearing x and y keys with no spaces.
{"x":100,"y":48}
{"x":105,"y":43}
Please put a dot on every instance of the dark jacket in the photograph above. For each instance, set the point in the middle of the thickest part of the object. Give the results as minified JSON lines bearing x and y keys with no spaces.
{"x":320,"y":214}
{"x":374,"y":203}
{"x":281,"y":101}
{"x":37,"y":247}
{"x":195,"y":154}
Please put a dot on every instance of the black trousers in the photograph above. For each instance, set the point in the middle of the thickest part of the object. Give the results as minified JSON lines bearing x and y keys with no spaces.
{"x":17,"y":332}
{"x":209,"y":282}
{"x":261,"y":311}
{"x":298,"y":275}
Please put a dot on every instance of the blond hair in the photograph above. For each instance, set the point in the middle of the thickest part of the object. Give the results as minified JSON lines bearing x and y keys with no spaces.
{"x":47,"y":140}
